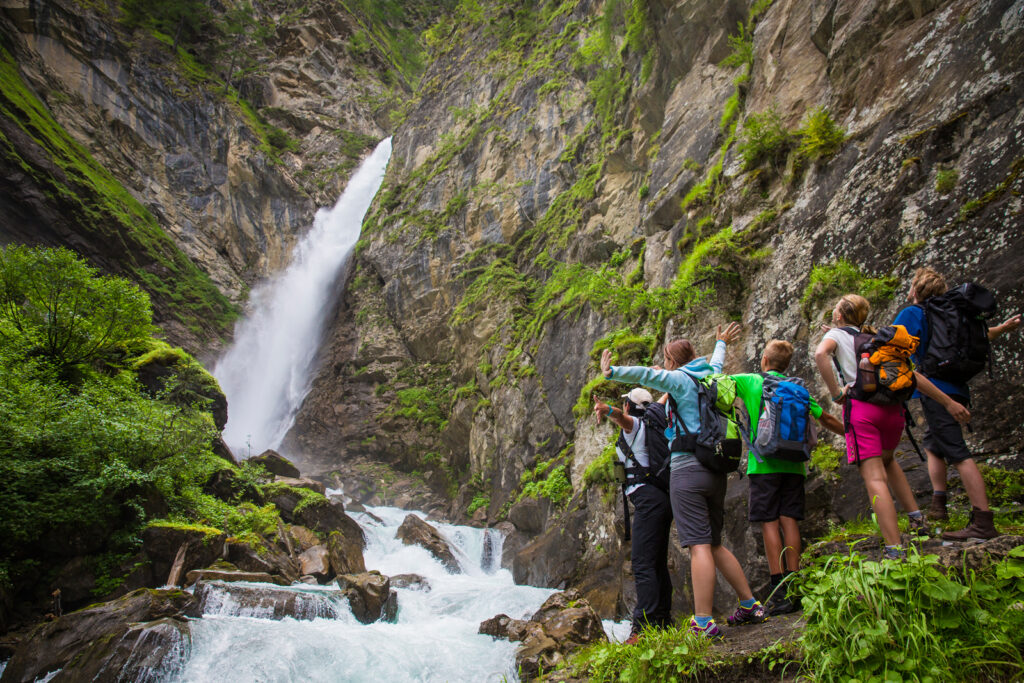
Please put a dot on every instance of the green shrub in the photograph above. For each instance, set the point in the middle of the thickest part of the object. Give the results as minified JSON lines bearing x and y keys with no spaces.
{"x":911,"y":620}
{"x":556,"y":487}
{"x":600,"y":471}
{"x":819,"y":136}
{"x":358,"y":43}
{"x":742,"y":44}
{"x":828,"y":283}
{"x":945,"y":180}
{"x":420,"y":404}
{"x":480,"y":500}
{"x":826,"y":459}
{"x":83,"y":453}
{"x":1004,"y":487}
{"x":53,"y":303}
{"x":661,"y":655}
{"x":764,"y":138}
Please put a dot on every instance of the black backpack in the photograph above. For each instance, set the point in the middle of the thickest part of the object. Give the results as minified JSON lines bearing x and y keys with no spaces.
{"x":958,"y":345}
{"x":715,"y":445}
{"x":657,"y":473}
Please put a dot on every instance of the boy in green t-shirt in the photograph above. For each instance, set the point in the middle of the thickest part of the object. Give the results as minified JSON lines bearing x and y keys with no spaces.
{"x":776,"y":486}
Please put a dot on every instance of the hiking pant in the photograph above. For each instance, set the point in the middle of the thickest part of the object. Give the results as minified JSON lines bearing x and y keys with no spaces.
{"x":652,"y":522}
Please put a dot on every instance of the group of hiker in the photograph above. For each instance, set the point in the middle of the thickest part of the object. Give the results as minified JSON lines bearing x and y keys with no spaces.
{"x":675,"y":453}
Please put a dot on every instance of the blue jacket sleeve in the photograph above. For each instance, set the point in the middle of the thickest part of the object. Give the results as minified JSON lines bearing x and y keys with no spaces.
{"x":718,"y":357}
{"x":661,"y":380}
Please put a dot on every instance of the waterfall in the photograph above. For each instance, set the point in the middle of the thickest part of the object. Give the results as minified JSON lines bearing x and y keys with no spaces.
{"x":268,"y":370}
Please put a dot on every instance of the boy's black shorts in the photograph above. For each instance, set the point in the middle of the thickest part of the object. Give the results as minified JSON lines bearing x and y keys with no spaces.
{"x":776,"y":495}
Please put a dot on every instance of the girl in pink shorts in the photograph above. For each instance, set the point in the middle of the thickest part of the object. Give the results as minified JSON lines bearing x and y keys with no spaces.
{"x":873,"y":431}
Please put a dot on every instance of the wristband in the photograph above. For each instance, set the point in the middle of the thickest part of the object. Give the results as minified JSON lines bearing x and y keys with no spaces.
{"x":837,"y":397}
{"x":611,"y":410}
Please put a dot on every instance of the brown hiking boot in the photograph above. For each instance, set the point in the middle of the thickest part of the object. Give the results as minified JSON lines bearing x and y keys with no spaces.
{"x":937,"y":510}
{"x":979,"y":527}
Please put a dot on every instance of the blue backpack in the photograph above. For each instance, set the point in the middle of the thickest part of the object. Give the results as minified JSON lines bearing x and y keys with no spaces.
{"x":785,"y":430}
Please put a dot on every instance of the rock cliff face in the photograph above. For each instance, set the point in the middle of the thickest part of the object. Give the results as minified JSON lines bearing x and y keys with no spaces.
{"x":586,"y":175}
{"x":567,"y":176}
{"x":231,"y":173}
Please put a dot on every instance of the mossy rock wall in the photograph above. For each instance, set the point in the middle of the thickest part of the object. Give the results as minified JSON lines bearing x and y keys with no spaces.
{"x":570,"y":170}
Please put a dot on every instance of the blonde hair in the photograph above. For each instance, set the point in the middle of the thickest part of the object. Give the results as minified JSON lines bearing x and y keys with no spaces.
{"x":778,"y":353}
{"x":854,"y":309}
{"x":927,"y":283}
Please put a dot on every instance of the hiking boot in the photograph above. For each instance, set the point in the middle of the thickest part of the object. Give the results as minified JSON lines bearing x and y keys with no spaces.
{"x":711,"y":631}
{"x":918,"y":526}
{"x":980,"y":527}
{"x":937,"y":509}
{"x":749,"y":615}
{"x":779,"y":603}
{"x":894,"y":552}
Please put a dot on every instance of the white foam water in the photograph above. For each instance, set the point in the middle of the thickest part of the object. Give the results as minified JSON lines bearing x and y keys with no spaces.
{"x":434,"y":638}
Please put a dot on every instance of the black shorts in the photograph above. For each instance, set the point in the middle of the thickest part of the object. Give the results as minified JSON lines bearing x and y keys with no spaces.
{"x":944,"y":436}
{"x":780,"y":494}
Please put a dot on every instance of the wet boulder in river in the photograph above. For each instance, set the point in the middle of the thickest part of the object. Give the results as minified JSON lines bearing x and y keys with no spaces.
{"x":267,"y":601}
{"x":98,"y":642}
{"x":370,"y":596}
{"x":564,"y":623}
{"x":162,"y":542}
{"x":411,"y":581}
{"x":316,"y":562}
{"x":414,"y":531}
{"x":345,"y":552}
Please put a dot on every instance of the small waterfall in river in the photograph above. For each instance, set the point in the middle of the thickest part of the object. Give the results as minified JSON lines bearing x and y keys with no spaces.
{"x":267,"y":371}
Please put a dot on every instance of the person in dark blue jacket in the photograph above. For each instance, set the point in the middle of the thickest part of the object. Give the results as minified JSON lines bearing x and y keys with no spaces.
{"x":944,"y":440}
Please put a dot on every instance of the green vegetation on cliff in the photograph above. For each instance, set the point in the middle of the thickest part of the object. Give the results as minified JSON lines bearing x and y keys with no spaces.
{"x":106,"y":211}
{"x":88,"y":451}
{"x":829,"y":282}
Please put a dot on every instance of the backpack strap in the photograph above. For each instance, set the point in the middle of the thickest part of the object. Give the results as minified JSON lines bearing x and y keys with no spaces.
{"x":907,"y":418}
{"x":625,"y":512}
{"x":853,"y":332}
{"x":627,"y":449}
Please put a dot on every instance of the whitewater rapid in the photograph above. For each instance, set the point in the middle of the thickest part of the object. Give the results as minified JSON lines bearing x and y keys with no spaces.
{"x":434,"y":638}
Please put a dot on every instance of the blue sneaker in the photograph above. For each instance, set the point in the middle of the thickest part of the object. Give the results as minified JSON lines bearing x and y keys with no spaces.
{"x":711,"y":631}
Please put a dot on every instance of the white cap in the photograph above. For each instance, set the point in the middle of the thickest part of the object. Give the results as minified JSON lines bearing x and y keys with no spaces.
{"x":639,"y":396}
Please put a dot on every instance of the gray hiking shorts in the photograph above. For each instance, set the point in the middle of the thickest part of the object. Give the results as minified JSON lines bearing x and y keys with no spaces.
{"x":698,"y":501}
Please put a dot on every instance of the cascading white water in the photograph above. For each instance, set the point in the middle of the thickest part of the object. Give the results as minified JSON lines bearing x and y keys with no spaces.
{"x":268,"y":370}
{"x":434,"y":639}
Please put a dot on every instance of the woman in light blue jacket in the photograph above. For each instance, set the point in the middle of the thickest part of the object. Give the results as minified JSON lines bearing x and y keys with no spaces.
{"x":698,"y":494}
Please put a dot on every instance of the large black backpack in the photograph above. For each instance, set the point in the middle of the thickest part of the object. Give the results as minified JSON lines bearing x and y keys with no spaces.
{"x":657,"y":473}
{"x":958,"y":345}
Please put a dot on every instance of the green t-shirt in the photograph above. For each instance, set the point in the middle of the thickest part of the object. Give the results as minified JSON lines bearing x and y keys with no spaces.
{"x":748,"y":388}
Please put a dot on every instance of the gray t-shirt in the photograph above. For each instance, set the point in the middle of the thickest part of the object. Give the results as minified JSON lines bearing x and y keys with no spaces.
{"x":638,"y":444}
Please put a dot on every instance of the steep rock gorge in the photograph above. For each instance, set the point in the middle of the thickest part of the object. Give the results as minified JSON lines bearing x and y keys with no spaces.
{"x":117,"y":138}
{"x":578,"y":175}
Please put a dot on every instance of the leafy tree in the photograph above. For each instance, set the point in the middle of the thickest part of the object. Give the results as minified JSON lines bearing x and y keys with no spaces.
{"x":58,"y":306}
